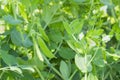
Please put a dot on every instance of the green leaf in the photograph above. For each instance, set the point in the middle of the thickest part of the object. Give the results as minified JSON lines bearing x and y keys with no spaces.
{"x":66,"y":53}
{"x":79,"y":1}
{"x":67,"y":28}
{"x":92,"y":77}
{"x":76,"y":25}
{"x":95,"y":33}
{"x":16,"y":37}
{"x":82,"y":64}
{"x":27,"y":42}
{"x":64,"y":70}
{"x":49,"y":12}
{"x":7,"y":58}
{"x":106,"y":2}
{"x":55,"y":36}
{"x":98,"y":60}
{"x":44,"y":48}
{"x":9,"y":19}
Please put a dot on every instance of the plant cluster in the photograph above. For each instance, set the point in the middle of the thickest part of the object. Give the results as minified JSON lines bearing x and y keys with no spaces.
{"x":59,"y":39}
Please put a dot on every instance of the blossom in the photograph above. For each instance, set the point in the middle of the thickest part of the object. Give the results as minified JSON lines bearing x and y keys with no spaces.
{"x":80,"y":36}
{"x":106,"y":38}
{"x":104,"y":9}
{"x":2,"y":29}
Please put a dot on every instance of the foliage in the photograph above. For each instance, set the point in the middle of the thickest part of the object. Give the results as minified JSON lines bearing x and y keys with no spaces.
{"x":59,"y":39}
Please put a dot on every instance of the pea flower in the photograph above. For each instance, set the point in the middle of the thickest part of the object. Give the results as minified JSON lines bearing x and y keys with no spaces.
{"x":104,"y":9}
{"x":106,"y":38}
{"x":80,"y":36}
{"x":2,"y":29}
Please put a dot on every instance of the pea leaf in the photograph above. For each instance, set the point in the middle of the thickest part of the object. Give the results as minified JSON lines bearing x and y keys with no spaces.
{"x":55,"y":36}
{"x":64,"y":70}
{"x":98,"y":60}
{"x":79,"y":1}
{"x":76,"y":25}
{"x":9,"y":19}
{"x":92,"y":77}
{"x":27,"y":42}
{"x":16,"y":37}
{"x":67,"y":28}
{"x":7,"y":58}
{"x":82,"y":64}
{"x":66,"y":53}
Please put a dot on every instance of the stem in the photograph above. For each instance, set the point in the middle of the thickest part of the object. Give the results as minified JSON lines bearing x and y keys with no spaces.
{"x":72,"y":75}
{"x":58,"y":47}
{"x":93,"y":57}
{"x":54,"y":69}
{"x":92,"y":4}
{"x":86,"y":66}
{"x":42,"y":78}
{"x":1,"y":74}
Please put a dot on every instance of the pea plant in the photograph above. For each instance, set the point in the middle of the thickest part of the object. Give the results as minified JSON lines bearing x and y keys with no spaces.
{"x":59,"y":39}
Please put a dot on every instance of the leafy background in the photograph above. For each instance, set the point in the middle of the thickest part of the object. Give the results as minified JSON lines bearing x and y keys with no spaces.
{"x":59,"y":40}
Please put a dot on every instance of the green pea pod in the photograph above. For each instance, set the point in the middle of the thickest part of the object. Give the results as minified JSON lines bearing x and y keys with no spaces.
{"x":44,"y":48}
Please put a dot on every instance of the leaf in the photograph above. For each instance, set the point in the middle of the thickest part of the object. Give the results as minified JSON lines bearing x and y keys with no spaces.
{"x":98,"y":60}
{"x":27,"y":42}
{"x":82,"y":64}
{"x":7,"y":58}
{"x":44,"y":48}
{"x":95,"y":33}
{"x":66,"y":53}
{"x":92,"y":77}
{"x":79,"y":1}
{"x":9,"y":19}
{"x":106,"y":2}
{"x":67,"y":28}
{"x":49,"y":12}
{"x":64,"y":70}
{"x":55,"y":36}
{"x":16,"y":37}
{"x":76,"y":26}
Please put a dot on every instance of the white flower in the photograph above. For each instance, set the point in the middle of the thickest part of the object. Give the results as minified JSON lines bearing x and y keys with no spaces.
{"x":106,"y":38}
{"x":2,"y":29}
{"x":104,"y":9}
{"x":92,"y":43}
{"x":80,"y":36}
{"x":95,"y":11}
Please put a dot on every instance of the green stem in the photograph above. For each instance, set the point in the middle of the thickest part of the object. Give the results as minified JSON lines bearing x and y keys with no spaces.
{"x":42,"y":78}
{"x":72,"y":75}
{"x":93,"y":57}
{"x":86,"y":66}
{"x":92,"y":4}
{"x":58,"y":47}
{"x":54,"y":69}
{"x":1,"y":74}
